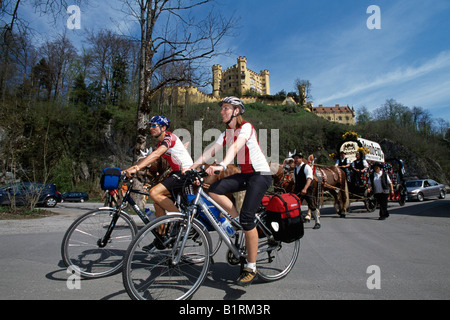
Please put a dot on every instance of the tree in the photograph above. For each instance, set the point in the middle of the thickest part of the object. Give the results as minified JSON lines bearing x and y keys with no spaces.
{"x":363,"y":115}
{"x":304,"y":90}
{"x":442,"y":127}
{"x":59,"y":54}
{"x":172,"y":33}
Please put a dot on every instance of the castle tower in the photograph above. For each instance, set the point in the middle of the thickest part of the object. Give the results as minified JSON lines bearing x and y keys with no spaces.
{"x":217,"y":80}
{"x":265,"y":81}
{"x":242,"y":71}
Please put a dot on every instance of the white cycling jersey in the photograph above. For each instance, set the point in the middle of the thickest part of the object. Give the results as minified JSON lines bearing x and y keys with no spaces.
{"x":250,"y":158}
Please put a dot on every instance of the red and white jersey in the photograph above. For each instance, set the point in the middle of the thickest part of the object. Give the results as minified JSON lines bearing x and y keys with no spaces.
{"x":176,"y":155}
{"x":250,"y":158}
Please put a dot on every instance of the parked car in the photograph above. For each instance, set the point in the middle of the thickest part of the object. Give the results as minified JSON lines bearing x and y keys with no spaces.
{"x":24,"y":192}
{"x":75,"y":196}
{"x":424,"y":188}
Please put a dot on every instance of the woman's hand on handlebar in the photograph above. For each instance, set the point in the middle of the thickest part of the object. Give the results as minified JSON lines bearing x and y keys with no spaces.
{"x":213,"y":170}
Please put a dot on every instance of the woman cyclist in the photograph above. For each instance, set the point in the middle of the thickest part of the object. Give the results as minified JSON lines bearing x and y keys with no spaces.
{"x":241,"y":141}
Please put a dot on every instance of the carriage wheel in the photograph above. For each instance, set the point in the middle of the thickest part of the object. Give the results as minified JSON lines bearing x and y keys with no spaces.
{"x":370,"y":202}
{"x":401,"y":195}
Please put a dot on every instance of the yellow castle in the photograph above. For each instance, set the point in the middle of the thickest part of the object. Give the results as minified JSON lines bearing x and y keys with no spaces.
{"x":239,"y":79}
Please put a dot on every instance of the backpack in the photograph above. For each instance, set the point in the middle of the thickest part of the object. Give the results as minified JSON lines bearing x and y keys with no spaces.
{"x":110,"y":178}
{"x":283,"y":217}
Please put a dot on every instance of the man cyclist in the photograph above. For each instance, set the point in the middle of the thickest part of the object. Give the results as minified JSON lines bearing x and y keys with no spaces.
{"x":174,"y":152}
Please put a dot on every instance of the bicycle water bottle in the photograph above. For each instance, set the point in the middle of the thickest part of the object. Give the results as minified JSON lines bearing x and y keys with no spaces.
{"x":150,"y":214}
{"x":227,"y":227}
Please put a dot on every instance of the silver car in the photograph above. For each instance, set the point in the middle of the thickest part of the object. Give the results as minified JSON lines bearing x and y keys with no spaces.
{"x":424,"y":188}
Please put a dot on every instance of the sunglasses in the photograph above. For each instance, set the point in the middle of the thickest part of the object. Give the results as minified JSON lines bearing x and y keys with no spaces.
{"x":154,"y":125}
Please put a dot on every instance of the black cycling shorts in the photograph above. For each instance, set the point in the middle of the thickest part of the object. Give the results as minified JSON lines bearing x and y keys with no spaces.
{"x":255,"y":185}
{"x":175,"y":181}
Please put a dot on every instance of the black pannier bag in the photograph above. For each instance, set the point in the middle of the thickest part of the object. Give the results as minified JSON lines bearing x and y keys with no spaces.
{"x":110,"y":178}
{"x":284,"y":217}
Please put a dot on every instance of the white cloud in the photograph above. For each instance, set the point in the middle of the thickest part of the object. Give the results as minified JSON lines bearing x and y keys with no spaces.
{"x":401,"y":75}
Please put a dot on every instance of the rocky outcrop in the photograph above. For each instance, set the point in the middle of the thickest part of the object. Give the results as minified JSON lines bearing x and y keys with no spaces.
{"x":415,"y":167}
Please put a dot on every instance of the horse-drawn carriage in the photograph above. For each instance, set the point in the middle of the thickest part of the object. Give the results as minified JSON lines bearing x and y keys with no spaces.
{"x":358,"y":182}
{"x":347,"y":185}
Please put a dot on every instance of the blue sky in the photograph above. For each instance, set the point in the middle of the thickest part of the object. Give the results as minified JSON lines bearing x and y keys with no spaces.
{"x":328,"y":43}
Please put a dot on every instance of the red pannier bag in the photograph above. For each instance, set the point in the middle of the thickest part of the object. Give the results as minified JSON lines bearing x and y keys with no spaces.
{"x":284,"y":217}
{"x":265,"y":200}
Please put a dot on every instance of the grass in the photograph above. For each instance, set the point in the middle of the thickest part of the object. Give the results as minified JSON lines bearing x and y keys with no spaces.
{"x":21,"y":213}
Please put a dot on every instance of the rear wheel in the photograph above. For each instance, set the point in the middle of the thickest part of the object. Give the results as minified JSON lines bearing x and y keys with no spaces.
{"x":275,"y":258}
{"x":50,"y":202}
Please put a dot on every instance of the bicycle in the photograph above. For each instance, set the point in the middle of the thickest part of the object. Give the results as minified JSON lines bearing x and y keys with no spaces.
{"x":95,"y":244}
{"x":170,"y":257}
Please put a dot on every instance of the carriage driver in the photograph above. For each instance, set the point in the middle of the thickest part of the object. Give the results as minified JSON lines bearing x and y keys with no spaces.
{"x":344,"y":163}
{"x":174,"y":152}
{"x":360,"y":166}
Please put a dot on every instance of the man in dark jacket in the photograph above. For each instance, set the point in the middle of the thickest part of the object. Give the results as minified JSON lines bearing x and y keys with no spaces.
{"x":382,"y":185}
{"x":303,"y":177}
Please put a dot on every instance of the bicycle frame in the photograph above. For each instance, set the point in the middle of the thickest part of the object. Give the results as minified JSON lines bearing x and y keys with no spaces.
{"x":222,"y":234}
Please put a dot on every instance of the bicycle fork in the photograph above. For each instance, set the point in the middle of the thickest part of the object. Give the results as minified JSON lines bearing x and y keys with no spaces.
{"x":176,"y":254}
{"x":104,"y":241}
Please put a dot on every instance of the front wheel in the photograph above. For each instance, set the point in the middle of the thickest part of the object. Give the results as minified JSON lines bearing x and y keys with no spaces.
{"x":420,"y":197}
{"x":158,"y":266}
{"x":82,"y":248}
{"x":370,"y":202}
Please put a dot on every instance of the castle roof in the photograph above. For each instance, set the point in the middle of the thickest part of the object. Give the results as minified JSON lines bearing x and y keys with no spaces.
{"x":335,"y":109}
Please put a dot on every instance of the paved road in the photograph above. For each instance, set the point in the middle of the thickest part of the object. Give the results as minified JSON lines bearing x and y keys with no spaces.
{"x":410,"y":250}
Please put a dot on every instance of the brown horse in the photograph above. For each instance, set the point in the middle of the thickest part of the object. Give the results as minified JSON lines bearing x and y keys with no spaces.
{"x":283,"y":178}
{"x":330,"y":179}
{"x":333,"y":180}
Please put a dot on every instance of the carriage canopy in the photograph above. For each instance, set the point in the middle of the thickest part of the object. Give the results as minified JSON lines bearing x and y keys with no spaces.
{"x":351,"y":148}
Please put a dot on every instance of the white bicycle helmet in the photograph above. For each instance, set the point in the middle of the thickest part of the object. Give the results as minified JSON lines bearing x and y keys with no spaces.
{"x":235,"y":101}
